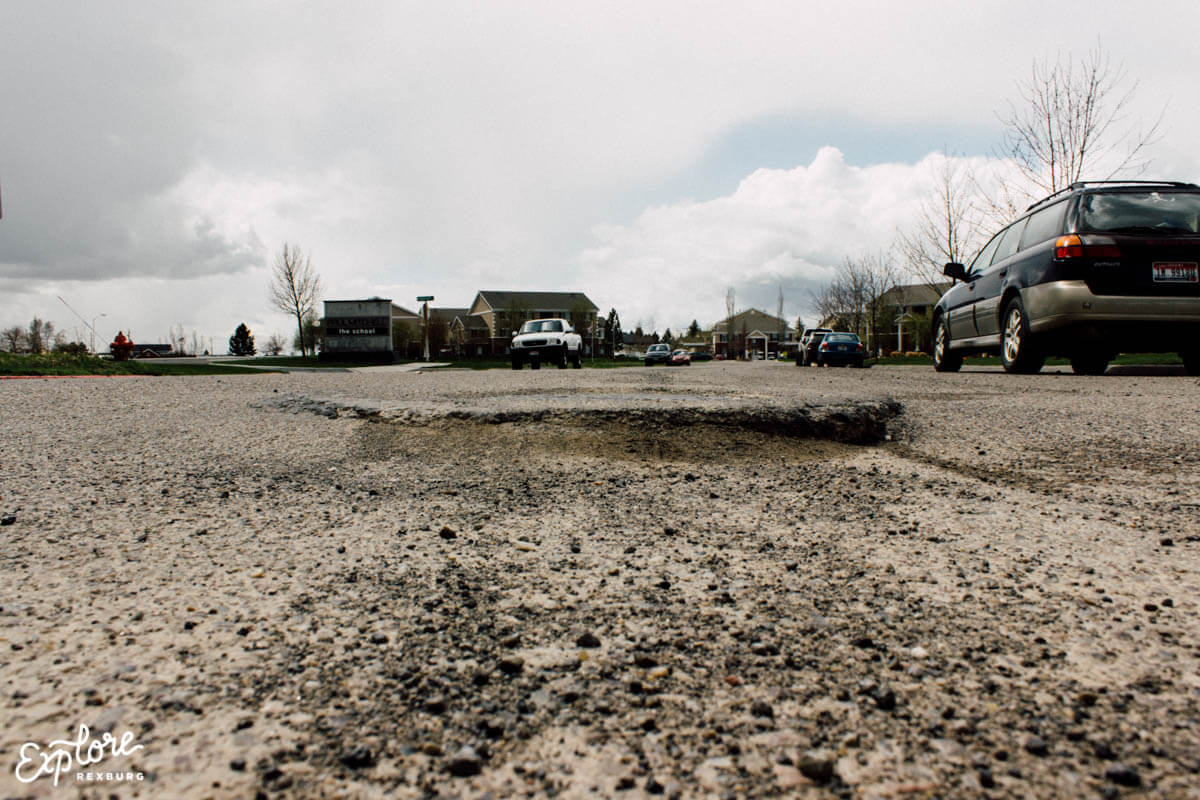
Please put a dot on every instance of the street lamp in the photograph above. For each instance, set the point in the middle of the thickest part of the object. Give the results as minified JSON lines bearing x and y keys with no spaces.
{"x":94,"y":331}
{"x":425,"y":315}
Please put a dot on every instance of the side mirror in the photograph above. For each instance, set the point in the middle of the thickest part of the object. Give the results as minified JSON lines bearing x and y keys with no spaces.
{"x":955,"y":270}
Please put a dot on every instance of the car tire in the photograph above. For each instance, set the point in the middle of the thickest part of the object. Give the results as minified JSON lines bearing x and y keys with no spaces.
{"x":945,"y":359}
{"x":577,"y":360}
{"x":517,"y":362}
{"x":1090,"y":362}
{"x":1018,"y":351}
{"x":1191,"y":361}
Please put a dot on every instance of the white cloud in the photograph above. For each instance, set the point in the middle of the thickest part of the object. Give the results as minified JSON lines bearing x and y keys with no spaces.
{"x":788,"y":228}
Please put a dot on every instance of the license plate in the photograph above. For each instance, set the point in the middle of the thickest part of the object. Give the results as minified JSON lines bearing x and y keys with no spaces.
{"x":1176,"y":272}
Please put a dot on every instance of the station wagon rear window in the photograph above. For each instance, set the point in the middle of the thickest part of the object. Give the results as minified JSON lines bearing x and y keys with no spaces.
{"x":1163,"y":213}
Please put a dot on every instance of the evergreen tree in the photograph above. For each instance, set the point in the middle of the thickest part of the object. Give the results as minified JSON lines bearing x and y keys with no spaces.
{"x":242,"y":342}
{"x":613,"y":326}
{"x":693,"y":330}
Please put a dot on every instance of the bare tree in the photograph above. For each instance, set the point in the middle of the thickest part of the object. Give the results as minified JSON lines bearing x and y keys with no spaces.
{"x":1072,"y":121}
{"x":854,"y":300}
{"x":947,"y":226}
{"x":295,"y":288}
{"x":274,"y":345}
{"x":14,"y":338}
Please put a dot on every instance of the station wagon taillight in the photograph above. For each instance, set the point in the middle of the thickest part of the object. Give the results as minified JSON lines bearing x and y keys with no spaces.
{"x":1072,"y":246}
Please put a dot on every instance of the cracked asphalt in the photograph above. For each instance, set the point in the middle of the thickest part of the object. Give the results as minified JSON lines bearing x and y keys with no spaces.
{"x":730,"y":580}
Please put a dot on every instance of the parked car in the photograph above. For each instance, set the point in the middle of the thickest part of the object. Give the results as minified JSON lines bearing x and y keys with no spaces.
{"x":680,"y":358}
{"x":840,"y":349}
{"x":809,"y":343}
{"x":1098,"y":268}
{"x":657,"y":354}
{"x":700,"y":355}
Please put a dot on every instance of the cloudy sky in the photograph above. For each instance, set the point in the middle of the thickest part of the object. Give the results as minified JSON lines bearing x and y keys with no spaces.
{"x":154,"y":157}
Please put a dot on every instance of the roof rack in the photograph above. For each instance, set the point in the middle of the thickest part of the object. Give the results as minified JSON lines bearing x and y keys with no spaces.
{"x":1084,"y":184}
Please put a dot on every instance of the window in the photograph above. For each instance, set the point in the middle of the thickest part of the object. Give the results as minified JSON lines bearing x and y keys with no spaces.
{"x":1164,"y":212}
{"x":1045,"y":224}
{"x":1009,"y":241}
{"x":985,"y":255}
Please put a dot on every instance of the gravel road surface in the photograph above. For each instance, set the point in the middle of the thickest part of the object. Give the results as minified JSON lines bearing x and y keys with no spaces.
{"x":729,"y":580}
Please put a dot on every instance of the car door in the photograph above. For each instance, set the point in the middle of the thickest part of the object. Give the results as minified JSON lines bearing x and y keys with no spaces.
{"x":960,"y":305}
{"x":991,"y":281}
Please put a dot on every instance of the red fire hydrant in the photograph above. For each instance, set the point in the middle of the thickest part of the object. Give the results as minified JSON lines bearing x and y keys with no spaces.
{"x":121,"y":348}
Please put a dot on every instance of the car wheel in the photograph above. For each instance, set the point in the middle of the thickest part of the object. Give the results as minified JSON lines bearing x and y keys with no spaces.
{"x":1191,"y":361}
{"x":945,"y":359}
{"x":1018,"y":350}
{"x":1089,"y":362}
{"x":517,"y":363}
{"x":577,"y":361}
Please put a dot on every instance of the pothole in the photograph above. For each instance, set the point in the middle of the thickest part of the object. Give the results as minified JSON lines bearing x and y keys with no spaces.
{"x":863,"y":422}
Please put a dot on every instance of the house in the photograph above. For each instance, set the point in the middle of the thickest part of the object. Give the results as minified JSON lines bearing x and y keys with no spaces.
{"x":496,"y":315}
{"x":913,"y":304}
{"x":751,"y":333}
{"x":906,"y":307}
{"x":450,"y":329}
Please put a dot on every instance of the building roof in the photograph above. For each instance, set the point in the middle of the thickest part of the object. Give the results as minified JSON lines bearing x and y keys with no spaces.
{"x":398,"y":312}
{"x":752,"y":318}
{"x":915,"y":294}
{"x":533,"y":301}
{"x":448,"y":314}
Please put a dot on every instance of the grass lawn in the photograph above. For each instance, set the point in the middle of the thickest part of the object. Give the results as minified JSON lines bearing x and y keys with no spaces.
{"x":49,"y":364}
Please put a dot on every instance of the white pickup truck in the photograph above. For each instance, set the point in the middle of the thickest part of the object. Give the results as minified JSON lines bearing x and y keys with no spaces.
{"x":547,"y":341}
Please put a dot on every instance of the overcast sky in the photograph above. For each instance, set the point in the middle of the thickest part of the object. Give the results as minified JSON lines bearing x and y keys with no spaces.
{"x":154,"y":157}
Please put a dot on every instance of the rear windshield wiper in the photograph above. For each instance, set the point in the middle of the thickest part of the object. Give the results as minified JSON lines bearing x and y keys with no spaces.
{"x":1151,"y":229}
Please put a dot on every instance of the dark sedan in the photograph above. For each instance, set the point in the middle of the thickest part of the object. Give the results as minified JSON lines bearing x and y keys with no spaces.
{"x":841,"y":349}
{"x":657,"y":354}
